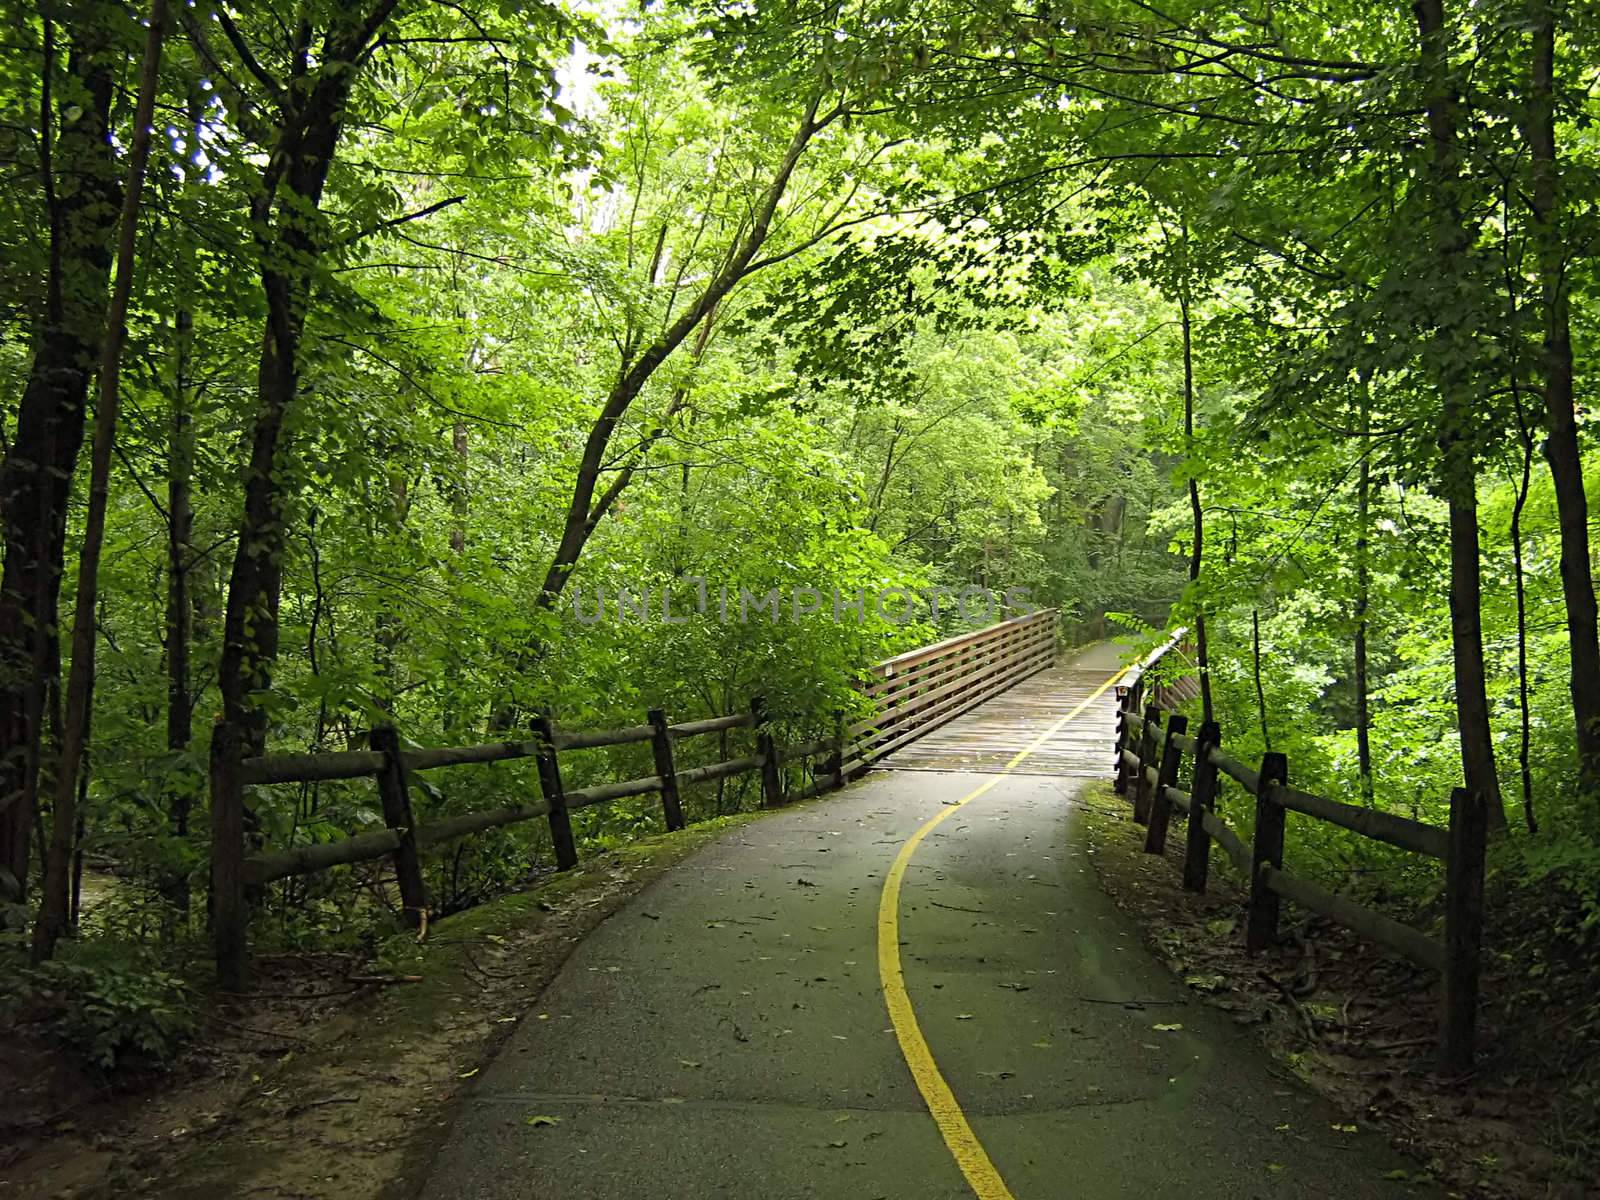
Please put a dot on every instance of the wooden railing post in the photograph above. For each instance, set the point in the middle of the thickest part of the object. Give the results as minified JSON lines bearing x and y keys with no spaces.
{"x":550,"y":784}
{"x":771,"y":777}
{"x":1463,"y":930}
{"x":1202,"y":799}
{"x":833,"y":765}
{"x":1155,"y":838}
{"x":1148,"y":746}
{"x":661,"y":747}
{"x":395,"y":794}
{"x":1262,"y":929}
{"x":1123,"y":712}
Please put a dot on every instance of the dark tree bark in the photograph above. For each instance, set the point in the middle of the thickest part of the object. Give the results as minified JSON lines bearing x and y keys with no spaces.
{"x":1561,"y":447}
{"x":1451,"y":243}
{"x":82,"y":201}
{"x":388,"y":627}
{"x":1523,"y":484}
{"x":179,"y":620}
{"x":1255,"y":667}
{"x":460,"y":495}
{"x":55,"y":911}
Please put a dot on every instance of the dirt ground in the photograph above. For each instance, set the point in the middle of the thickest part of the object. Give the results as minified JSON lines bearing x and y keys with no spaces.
{"x":1356,"y":1023}
{"x":335,"y":1077}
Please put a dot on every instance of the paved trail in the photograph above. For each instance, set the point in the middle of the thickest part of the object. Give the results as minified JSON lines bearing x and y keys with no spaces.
{"x":726,"y":1034}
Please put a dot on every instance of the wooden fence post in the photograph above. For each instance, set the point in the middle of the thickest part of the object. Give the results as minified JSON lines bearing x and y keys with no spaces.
{"x":230,"y":916}
{"x":550,"y":784}
{"x":1155,"y":838}
{"x":1262,"y":930}
{"x":1124,"y":709}
{"x":1202,"y":799}
{"x":661,"y":746}
{"x":833,"y":765}
{"x":1148,"y":746}
{"x":395,"y":794}
{"x":1463,"y":930}
{"x":771,"y":778}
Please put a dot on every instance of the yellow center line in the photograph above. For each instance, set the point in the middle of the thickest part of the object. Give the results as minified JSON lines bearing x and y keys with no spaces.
{"x":953,"y":1126}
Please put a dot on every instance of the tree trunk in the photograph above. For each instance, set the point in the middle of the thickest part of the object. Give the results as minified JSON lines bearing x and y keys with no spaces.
{"x":285,"y":230}
{"x":1561,"y":446}
{"x":82,"y":201}
{"x":459,"y":493}
{"x":1363,"y":599}
{"x":55,"y":911}
{"x":1196,"y":556}
{"x":179,"y":622}
{"x":1523,"y":485}
{"x":388,"y":628}
{"x":584,"y":510}
{"x":1255,"y":667}
{"x":1451,"y":243}
{"x":1524,"y":710}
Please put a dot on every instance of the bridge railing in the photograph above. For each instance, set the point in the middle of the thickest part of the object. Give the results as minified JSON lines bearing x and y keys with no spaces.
{"x":1152,"y":675}
{"x":913,"y":693}
{"x":1149,"y":760}
{"x":916,"y":692}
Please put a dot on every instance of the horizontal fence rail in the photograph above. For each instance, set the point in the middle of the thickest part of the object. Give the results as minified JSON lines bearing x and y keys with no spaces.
{"x":1150,"y":750}
{"x":392,"y":766}
{"x":911,"y":694}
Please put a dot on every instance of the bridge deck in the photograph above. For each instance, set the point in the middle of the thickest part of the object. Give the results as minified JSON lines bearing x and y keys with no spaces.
{"x":984,"y":740}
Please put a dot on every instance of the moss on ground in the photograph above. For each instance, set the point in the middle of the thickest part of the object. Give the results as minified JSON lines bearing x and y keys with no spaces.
{"x":444,"y":959}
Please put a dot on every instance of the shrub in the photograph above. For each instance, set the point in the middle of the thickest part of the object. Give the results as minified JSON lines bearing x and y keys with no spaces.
{"x":112,"y":1015}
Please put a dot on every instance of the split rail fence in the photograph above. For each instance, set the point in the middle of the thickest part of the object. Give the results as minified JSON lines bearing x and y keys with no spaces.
{"x":1151,"y":749}
{"x":911,"y":694}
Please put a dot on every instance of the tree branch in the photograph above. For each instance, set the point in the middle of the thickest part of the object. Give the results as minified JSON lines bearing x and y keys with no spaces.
{"x":401,"y":220}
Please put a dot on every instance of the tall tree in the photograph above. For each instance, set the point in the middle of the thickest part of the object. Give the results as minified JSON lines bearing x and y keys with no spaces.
{"x":1452,"y":359}
{"x":1363,"y":608}
{"x":301,"y":138}
{"x":178,"y":620}
{"x":292,"y":104}
{"x":78,"y":181}
{"x":55,"y":909}
{"x":585,"y":509}
{"x":1552,"y":240}
{"x":1197,"y":514}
